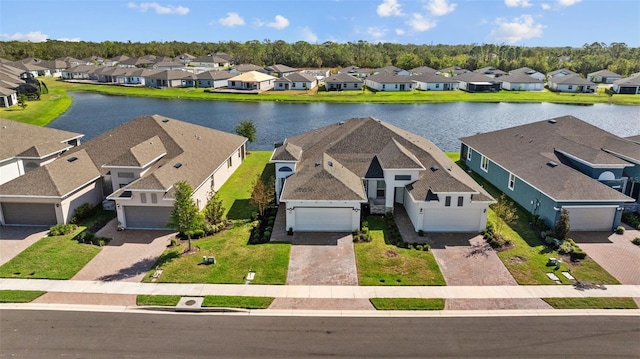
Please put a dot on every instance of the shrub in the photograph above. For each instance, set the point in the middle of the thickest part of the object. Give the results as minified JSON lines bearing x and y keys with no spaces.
{"x":290,"y":231}
{"x":578,"y":253}
{"x":426,"y":247}
{"x":175,"y":242}
{"x":196,"y":233}
{"x":62,"y":229}
{"x":565,"y":248}
{"x":620,"y":230}
{"x":267,"y":236}
{"x":418,"y":247}
{"x":83,"y":212}
{"x":421,"y":233}
{"x":636,"y":241}
{"x":631,"y":219}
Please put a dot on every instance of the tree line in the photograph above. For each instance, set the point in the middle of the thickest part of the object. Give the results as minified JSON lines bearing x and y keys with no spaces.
{"x":617,"y":57}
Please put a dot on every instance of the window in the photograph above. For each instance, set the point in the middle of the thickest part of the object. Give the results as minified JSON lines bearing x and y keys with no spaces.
{"x":143,"y":197}
{"x":229,"y":162}
{"x":239,"y":153}
{"x":469,"y":150}
{"x":403,"y":177}
{"x":460,"y":201}
{"x":383,"y":86}
{"x":396,"y":85}
{"x":380,"y":186}
{"x":154,"y":198}
{"x":437,"y":86}
{"x":512,"y":181}
{"x":125,"y":174}
{"x":293,"y":85}
{"x":570,"y":87}
{"x":447,"y":201}
{"x":484,"y":164}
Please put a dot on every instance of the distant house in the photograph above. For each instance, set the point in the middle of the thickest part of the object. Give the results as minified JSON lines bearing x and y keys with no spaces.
{"x":184,"y":58}
{"x":320,"y":74}
{"x":213,"y":79}
{"x":279,"y":70}
{"x":167,"y":78}
{"x":628,"y":86}
{"x":355,"y":71}
{"x":80,"y":72}
{"x":491,"y":71}
{"x":475,"y":82}
{"x":521,"y":82}
{"x":35,"y":70}
{"x":328,"y":177}
{"x":137,"y":62}
{"x":388,"y":82}
{"x":561,"y":163}
{"x":8,"y":97}
{"x":571,"y":83}
{"x":296,"y":81}
{"x":435,"y":82}
{"x":209,"y":61}
{"x":423,"y":70}
{"x":452,"y":71}
{"x":560,"y":73}
{"x":529,"y":72}
{"x":26,"y":147}
{"x":114,"y":61}
{"x":391,"y":70}
{"x":173,"y":65}
{"x":342,"y":82}
{"x":603,"y":77}
{"x":252,"y":81}
{"x":136,"y":163}
{"x":243,"y":68}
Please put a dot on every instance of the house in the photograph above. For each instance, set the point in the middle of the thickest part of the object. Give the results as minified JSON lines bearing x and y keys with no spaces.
{"x":252,"y":81}
{"x":172,"y":65}
{"x":475,"y":82}
{"x":422,"y":70}
{"x":491,"y":71}
{"x":326,"y":178}
{"x":213,"y":79}
{"x":521,"y":82}
{"x":628,"y":86}
{"x":603,"y":77}
{"x":452,"y":71}
{"x":435,"y":82}
{"x":355,"y":71}
{"x":296,"y":81}
{"x":167,"y":78}
{"x":388,"y":82}
{"x":243,"y":68}
{"x":136,"y":62}
{"x":560,"y":73}
{"x":391,"y":70}
{"x":571,"y":83}
{"x":35,"y":70}
{"x":136,"y":76}
{"x":55,"y":67}
{"x":208,"y":61}
{"x":319,"y":74}
{"x":80,"y":72}
{"x":529,"y":72}
{"x":26,"y":147}
{"x":8,"y":96}
{"x":71,"y":61}
{"x":279,"y":70}
{"x":185,"y":58}
{"x":559,"y":163}
{"x":342,"y":82}
{"x":114,"y":61}
{"x":135,"y":165}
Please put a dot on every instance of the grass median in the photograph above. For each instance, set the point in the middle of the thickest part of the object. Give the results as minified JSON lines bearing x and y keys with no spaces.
{"x":19,"y":296}
{"x":592,"y":303}
{"x":408,"y":303}
{"x":215,"y":301}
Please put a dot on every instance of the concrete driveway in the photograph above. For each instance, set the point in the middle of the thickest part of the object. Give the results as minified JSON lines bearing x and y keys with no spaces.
{"x":129,"y":255}
{"x":15,"y":239}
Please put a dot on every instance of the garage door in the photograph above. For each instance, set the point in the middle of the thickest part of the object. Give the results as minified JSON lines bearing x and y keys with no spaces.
{"x":323,"y":219}
{"x":147,"y":217}
{"x":453,"y":220}
{"x":591,"y":218}
{"x":42,"y":214}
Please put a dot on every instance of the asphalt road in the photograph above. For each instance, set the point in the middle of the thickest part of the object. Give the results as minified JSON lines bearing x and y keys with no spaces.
{"x":51,"y":334}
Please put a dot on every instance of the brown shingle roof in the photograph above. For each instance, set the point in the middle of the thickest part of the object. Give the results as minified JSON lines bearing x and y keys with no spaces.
{"x":22,"y":140}
{"x":141,"y":154}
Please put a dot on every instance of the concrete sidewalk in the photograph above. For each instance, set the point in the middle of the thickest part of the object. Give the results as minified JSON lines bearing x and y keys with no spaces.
{"x":305,"y":291}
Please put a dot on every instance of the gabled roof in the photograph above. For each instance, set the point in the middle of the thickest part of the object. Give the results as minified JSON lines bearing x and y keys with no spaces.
{"x":423,"y":70}
{"x":342,"y":77}
{"x":561,"y":71}
{"x":252,"y":76}
{"x":523,"y":70}
{"x":119,"y":58}
{"x":633,"y":80}
{"x":434,"y":78}
{"x":574,"y":79}
{"x":22,"y":140}
{"x":211,"y":59}
{"x":354,"y":70}
{"x":360,"y":148}
{"x":287,"y":152}
{"x":490,"y":70}
{"x":214,"y":75}
{"x":140,"y":155}
{"x":457,"y":70}
{"x":604,"y":73}
{"x":279,"y":68}
{"x":527,"y":149}
{"x":170,"y":75}
{"x":249,"y":67}
{"x":471,"y":77}
{"x":388,"y":70}
{"x":297,"y":77}
{"x":520,"y":78}
{"x":387,"y":78}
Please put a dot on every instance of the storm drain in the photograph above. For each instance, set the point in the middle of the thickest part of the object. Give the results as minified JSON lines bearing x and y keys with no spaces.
{"x":189,"y":304}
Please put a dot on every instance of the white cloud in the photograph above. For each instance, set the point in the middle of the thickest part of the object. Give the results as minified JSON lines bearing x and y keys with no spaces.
{"x":420,"y":23}
{"x":308,"y":35}
{"x":376,"y":32}
{"x":545,"y":6}
{"x":280,"y":22}
{"x":389,"y":8}
{"x":33,"y":36}
{"x":232,"y":19}
{"x":161,"y":10}
{"x":73,"y":39}
{"x":440,"y":7}
{"x":568,"y":2}
{"x":517,"y":3}
{"x":520,"y":28}
{"x":399,"y":31}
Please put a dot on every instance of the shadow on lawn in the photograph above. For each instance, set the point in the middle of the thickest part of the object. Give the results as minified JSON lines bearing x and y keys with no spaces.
{"x":241,"y":209}
{"x":137,"y":268}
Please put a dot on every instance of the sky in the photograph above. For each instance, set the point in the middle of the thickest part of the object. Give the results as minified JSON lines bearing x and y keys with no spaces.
{"x":513,"y":22}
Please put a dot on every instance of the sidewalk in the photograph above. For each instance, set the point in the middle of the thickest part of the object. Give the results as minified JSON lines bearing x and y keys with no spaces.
{"x":305,"y":291}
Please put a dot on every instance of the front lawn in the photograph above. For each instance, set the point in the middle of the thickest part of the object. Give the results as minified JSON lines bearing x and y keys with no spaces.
{"x":380,"y":263}
{"x":592,"y":303}
{"x":48,"y":108}
{"x":52,"y":257}
{"x":408,"y":303}
{"x":19,"y":296}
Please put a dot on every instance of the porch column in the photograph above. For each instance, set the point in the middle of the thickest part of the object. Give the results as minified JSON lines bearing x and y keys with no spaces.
{"x":389,"y":194}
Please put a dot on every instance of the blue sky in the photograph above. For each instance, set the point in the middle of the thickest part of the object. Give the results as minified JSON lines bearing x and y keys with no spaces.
{"x":515,"y":22}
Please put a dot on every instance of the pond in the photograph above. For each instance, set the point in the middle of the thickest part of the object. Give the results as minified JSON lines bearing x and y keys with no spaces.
{"x":93,"y":114}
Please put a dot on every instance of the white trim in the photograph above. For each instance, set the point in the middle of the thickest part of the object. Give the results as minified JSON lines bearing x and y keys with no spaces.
{"x":592,"y":165}
{"x":137,"y":167}
{"x":469,"y":150}
{"x":44,"y":156}
{"x":626,"y":158}
{"x":482,"y":159}
{"x":605,"y":206}
{"x":511,"y":184}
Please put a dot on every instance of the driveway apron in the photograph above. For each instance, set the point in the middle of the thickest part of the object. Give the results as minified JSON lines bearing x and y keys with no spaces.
{"x":15,"y":239}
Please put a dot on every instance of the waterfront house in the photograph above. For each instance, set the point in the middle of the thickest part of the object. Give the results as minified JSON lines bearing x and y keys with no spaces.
{"x":628,"y":86}
{"x":521,"y":82}
{"x":280,"y":70}
{"x":213,"y":78}
{"x":389,"y":83}
{"x":475,"y":82}
{"x":435,"y":82}
{"x":296,"y":81}
{"x":571,"y":83}
{"x":529,"y":72}
{"x":253,"y":81}
{"x":603,"y":77}
{"x":342,"y":82}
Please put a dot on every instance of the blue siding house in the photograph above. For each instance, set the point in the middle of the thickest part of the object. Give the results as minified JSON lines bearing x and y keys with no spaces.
{"x":560,"y":163}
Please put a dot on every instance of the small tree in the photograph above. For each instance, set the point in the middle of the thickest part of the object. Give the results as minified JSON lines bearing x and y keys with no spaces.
{"x":185,"y":216}
{"x":247,"y":129}
{"x":262,"y":194}
{"x":505,"y":210}
{"x":22,"y":100}
{"x":214,"y":210}
{"x":562,"y":227}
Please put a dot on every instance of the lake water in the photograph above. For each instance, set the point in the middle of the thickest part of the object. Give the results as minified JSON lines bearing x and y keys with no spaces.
{"x":93,"y":114}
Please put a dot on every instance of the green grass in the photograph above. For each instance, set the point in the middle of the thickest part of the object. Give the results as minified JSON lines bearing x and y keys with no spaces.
{"x":41,"y":112}
{"x":380,"y":263}
{"x":527,"y":259}
{"x":19,"y":296}
{"x":58,"y":257}
{"x":453,"y":156}
{"x":209,"y":301}
{"x":234,"y":256}
{"x":408,"y":303}
{"x":592,"y":303}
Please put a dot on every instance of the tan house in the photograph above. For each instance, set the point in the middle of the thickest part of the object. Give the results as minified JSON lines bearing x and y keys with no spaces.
{"x":252,"y":81}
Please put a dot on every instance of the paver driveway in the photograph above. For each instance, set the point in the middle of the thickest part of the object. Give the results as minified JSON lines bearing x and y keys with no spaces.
{"x":15,"y":239}
{"x":129,"y":255}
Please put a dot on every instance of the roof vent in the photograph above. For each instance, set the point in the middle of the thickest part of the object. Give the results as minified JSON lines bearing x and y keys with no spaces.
{"x":552,"y":121}
{"x":318,"y":163}
{"x":71,"y":159}
{"x":341,"y":123}
{"x":165,"y":120}
{"x":177,"y":165}
{"x":330,"y":164}
{"x":435,"y":168}
{"x":552,"y":164}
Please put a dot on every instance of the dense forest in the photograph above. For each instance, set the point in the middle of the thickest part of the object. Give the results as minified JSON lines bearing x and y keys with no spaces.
{"x":617,"y":57}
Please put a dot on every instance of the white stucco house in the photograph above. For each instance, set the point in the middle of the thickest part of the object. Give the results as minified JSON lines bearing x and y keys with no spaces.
{"x":435,"y":82}
{"x":328,"y":177}
{"x":571,"y":83}
{"x":135,"y":165}
{"x":295,"y":81}
{"x":521,"y":82}
{"x":252,"y":81}
{"x":388,"y":82}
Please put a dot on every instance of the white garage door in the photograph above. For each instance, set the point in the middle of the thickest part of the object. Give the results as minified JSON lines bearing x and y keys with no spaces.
{"x":591,"y":218}
{"x":452,"y":220}
{"x":39,"y":214}
{"x":147,"y":217}
{"x":323,"y":219}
